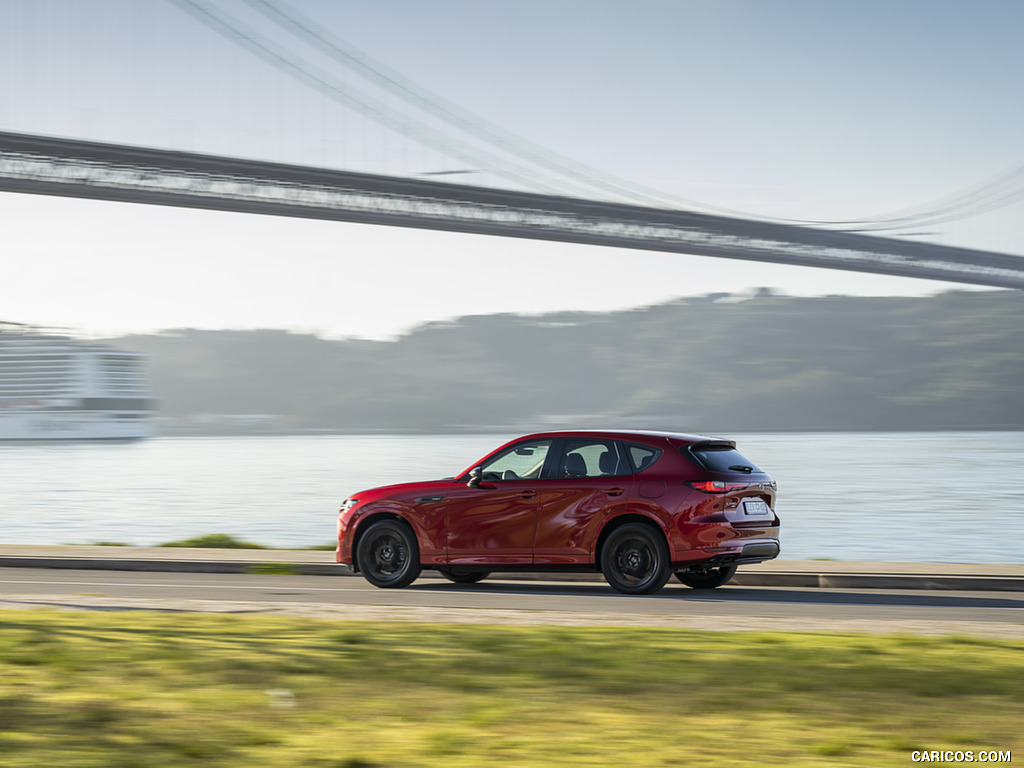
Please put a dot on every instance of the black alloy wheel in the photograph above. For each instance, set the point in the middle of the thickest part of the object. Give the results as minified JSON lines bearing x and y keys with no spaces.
{"x":388,"y":555}
{"x":635,"y":559}
{"x":470,"y":577}
{"x":708,"y":579}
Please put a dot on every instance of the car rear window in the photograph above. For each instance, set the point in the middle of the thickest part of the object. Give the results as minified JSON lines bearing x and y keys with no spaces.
{"x":642,"y":456}
{"x":721,"y":457}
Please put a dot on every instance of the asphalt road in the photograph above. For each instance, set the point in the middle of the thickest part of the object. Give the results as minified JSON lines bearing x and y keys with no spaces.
{"x":730,"y":607}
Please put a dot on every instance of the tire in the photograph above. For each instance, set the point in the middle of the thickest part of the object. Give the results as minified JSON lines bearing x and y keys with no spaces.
{"x":388,"y":555}
{"x":470,"y":577}
{"x":635,"y":559}
{"x":709,"y":579}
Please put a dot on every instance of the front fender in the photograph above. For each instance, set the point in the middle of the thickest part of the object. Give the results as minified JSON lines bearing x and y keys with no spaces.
{"x":428,"y":524}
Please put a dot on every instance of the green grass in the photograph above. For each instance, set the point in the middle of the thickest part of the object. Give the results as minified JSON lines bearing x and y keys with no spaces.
{"x":221,"y":541}
{"x":275,"y":569}
{"x":141,"y":690}
{"x":214,"y":541}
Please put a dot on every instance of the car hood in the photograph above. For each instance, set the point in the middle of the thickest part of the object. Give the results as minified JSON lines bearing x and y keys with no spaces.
{"x":402,"y":490}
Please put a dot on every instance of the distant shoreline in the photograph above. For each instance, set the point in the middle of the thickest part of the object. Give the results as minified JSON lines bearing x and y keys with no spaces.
{"x":954,"y":361}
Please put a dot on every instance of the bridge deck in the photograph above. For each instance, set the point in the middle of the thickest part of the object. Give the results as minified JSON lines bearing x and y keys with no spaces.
{"x":71,"y":168}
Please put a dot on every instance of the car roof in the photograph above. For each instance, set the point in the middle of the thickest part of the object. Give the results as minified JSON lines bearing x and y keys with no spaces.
{"x":623,"y":434}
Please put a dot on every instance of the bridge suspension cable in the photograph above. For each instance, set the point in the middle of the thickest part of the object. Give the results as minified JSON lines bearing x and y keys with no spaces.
{"x":520,"y":161}
{"x":1003,"y":190}
{"x":515,"y":158}
{"x":352,"y":98}
{"x":450,"y":113}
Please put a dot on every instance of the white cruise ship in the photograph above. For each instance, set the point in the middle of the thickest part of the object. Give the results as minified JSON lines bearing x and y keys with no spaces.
{"x":54,"y":386}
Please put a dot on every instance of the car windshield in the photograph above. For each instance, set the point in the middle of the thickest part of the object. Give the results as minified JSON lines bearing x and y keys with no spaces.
{"x":523,"y":461}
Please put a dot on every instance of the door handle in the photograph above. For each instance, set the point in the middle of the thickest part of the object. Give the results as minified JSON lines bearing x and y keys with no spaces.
{"x":528,"y":495}
{"x":614,"y":491}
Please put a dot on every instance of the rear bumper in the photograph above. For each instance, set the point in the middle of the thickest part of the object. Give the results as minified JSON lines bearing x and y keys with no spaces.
{"x":757,"y":552}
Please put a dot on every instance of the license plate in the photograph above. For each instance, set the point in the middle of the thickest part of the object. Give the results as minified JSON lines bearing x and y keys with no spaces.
{"x":752,"y":507}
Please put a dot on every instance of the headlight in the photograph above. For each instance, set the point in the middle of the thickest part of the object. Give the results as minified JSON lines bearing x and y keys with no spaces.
{"x":347,"y":504}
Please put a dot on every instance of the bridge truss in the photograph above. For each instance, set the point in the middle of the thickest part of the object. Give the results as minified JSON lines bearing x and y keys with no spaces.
{"x":72,"y":168}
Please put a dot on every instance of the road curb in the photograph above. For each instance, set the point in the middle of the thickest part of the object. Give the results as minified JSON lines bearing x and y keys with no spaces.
{"x":880,"y":581}
{"x":749,"y":578}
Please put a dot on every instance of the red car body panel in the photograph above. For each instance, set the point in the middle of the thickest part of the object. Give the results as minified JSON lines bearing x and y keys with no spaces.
{"x":495,"y":527}
{"x":551,"y":522}
{"x":571,"y":516}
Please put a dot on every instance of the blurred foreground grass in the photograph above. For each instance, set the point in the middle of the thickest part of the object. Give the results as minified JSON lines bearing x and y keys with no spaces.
{"x":134,"y":689}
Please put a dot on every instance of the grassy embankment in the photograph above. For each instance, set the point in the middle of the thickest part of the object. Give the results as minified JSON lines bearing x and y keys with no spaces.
{"x":145,"y":689}
{"x":217,"y":541}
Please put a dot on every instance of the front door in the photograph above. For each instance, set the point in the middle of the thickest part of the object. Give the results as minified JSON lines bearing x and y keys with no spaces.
{"x":495,"y":523}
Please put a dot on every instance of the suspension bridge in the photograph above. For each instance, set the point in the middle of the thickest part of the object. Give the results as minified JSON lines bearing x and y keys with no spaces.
{"x":576,"y":204}
{"x":70,"y":168}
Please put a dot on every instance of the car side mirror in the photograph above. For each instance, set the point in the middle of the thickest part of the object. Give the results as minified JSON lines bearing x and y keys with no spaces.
{"x":474,"y":477}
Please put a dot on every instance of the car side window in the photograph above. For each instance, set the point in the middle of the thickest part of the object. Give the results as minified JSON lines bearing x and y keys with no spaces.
{"x":592,"y":458}
{"x":523,"y":461}
{"x":642,"y":456}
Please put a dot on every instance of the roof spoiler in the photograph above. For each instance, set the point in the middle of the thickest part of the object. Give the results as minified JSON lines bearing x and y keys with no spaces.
{"x":711,"y":445}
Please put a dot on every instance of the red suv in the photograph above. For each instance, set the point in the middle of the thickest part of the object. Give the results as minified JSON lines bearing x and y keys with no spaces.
{"x":636,"y":506}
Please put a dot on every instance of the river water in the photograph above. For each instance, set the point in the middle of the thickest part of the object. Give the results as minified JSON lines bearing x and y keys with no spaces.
{"x":939,"y":497}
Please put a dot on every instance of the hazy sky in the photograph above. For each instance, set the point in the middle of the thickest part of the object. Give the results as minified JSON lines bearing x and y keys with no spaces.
{"x":795,"y":108}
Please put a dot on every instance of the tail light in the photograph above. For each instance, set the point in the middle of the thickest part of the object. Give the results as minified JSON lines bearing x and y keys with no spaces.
{"x":718,"y":486}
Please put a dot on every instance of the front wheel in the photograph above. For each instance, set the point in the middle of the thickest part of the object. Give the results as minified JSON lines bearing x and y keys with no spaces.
{"x":709,"y":579}
{"x":635,"y":560}
{"x":388,"y":555}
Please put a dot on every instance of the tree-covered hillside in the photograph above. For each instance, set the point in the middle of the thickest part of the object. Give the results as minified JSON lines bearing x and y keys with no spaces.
{"x":710,"y":364}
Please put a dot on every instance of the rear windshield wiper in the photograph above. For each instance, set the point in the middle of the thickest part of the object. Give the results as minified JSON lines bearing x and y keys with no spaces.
{"x":742,"y":468}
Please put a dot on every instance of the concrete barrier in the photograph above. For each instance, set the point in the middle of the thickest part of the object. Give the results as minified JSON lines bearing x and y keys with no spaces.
{"x":806,"y":574}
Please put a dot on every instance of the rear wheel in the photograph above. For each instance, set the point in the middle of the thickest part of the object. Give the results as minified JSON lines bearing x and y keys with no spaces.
{"x":635,"y":559}
{"x":470,"y":577}
{"x":709,"y":579}
{"x":388,"y":555}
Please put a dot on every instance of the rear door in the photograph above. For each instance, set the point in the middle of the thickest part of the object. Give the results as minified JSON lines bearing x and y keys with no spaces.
{"x":591,"y":476}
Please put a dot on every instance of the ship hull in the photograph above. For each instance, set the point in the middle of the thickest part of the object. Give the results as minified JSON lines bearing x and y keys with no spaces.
{"x":72,"y":425}
{"x":54,"y":386}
